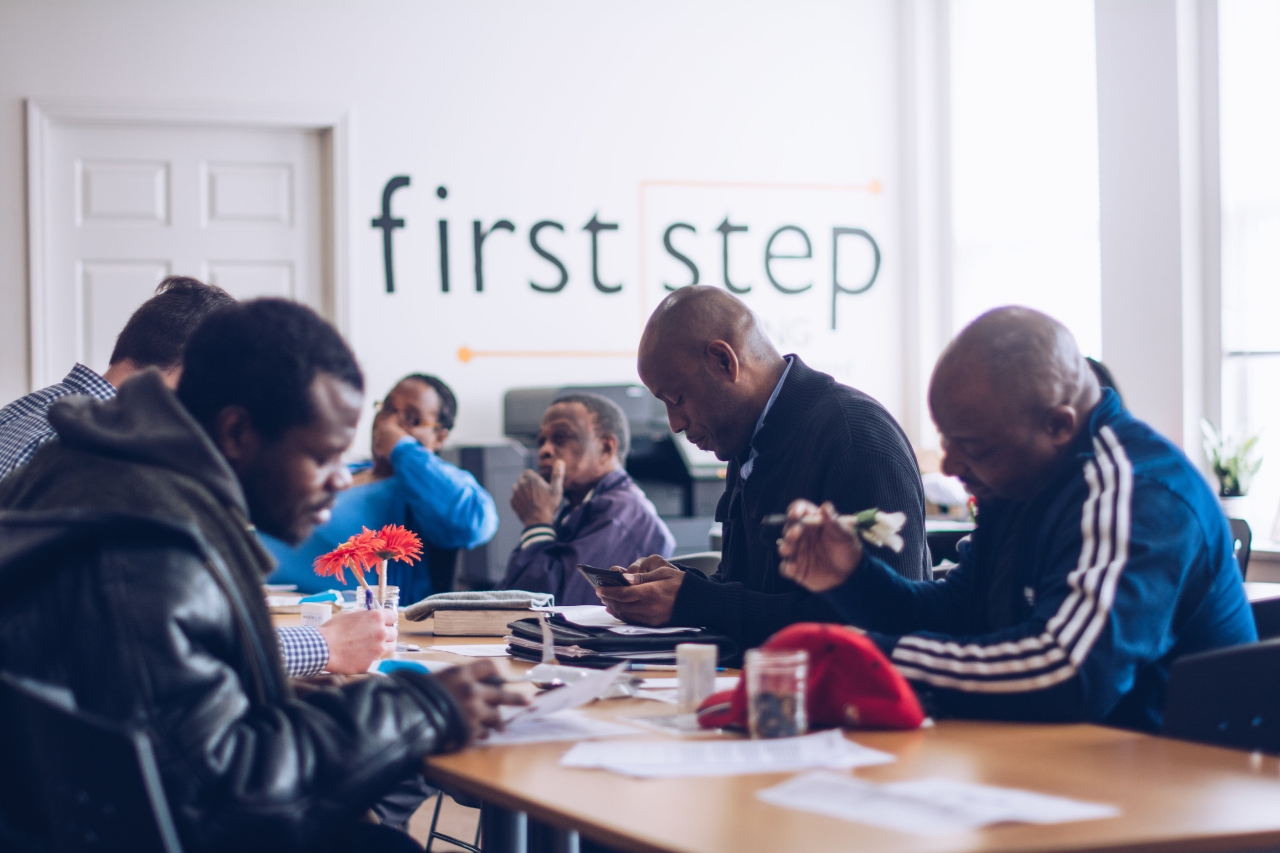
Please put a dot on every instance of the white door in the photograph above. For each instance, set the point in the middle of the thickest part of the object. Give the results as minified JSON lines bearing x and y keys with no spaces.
{"x":125,"y":204}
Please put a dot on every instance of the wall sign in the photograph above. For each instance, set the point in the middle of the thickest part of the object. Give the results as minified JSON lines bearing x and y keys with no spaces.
{"x":787,"y":242}
{"x":388,"y":224}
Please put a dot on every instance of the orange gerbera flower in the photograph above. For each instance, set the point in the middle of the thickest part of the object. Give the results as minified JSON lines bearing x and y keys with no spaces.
{"x":333,"y":563}
{"x":398,"y":543}
{"x":366,"y":549}
{"x":369,"y":544}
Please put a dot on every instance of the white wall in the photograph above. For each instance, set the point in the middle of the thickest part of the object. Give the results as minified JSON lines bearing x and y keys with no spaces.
{"x":1158,"y":173}
{"x":527,"y":112}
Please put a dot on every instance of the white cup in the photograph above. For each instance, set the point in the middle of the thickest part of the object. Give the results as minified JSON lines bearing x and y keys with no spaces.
{"x":316,"y":613}
{"x":696,"y":675}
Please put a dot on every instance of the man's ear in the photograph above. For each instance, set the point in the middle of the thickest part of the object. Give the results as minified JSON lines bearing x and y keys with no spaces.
{"x":172,"y":376}
{"x":609,"y":446}
{"x":236,"y":436}
{"x":442,"y":434}
{"x":1061,"y":422}
{"x":724,"y":361}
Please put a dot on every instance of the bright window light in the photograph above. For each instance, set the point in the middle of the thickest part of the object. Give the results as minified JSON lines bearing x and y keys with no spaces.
{"x":1024,"y":162}
{"x":1249,"y":76}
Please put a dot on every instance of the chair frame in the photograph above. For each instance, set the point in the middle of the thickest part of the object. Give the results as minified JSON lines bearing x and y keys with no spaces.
{"x":432,"y":835}
{"x":32,"y":698}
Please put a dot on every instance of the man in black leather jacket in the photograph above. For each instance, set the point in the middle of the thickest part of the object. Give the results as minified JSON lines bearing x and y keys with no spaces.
{"x":132,"y":579}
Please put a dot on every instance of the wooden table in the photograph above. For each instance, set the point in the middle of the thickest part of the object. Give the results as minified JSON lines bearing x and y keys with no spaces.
{"x":1174,"y":796}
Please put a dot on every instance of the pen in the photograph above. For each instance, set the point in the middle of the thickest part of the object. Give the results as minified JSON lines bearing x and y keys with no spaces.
{"x":658,"y":667}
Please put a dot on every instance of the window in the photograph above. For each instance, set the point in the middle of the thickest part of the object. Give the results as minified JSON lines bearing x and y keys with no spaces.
{"x":1249,"y":68}
{"x":1024,"y":162}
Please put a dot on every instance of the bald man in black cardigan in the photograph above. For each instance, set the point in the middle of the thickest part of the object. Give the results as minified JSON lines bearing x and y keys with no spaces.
{"x":787,"y":431}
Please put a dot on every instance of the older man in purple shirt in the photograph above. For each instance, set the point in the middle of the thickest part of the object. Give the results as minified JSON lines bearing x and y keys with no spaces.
{"x":581,"y":507}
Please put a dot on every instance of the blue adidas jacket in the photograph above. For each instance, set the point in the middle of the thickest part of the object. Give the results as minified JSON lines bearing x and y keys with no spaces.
{"x":1123,"y":563}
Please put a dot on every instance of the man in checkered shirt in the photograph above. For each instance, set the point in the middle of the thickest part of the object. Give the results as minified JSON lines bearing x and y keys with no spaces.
{"x":154,"y":337}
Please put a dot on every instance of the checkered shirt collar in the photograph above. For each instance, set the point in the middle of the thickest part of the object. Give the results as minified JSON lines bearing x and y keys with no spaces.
{"x":85,"y":380}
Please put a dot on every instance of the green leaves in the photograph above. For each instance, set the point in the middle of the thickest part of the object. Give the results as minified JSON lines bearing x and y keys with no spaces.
{"x":1234,"y":465}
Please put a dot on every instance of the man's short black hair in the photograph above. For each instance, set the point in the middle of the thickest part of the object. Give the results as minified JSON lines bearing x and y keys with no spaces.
{"x":448,"y":402}
{"x":608,"y":417}
{"x":1104,"y":376}
{"x":262,"y":355}
{"x":160,"y":328}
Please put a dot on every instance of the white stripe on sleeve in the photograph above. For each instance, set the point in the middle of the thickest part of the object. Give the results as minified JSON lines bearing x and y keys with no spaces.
{"x":1055,"y":654}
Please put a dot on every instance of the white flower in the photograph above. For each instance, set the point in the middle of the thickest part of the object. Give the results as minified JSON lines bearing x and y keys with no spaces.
{"x":882,"y":529}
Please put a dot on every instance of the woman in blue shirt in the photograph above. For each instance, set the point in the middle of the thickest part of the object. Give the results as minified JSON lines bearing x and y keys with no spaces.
{"x":406,"y":483}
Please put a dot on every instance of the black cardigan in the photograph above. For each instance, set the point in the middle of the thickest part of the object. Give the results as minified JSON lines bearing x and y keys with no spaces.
{"x":825,"y":442}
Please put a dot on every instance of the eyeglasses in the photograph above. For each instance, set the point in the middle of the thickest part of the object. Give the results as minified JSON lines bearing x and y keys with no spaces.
{"x":409,"y":420}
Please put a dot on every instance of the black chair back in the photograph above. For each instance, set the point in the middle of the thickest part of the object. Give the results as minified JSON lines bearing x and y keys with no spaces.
{"x":97,"y":781}
{"x":1227,"y":697}
{"x":1242,"y":541}
{"x":1266,"y":617}
{"x":442,"y":563}
{"x":945,"y":544}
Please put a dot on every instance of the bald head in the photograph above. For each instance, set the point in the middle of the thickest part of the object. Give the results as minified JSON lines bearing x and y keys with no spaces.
{"x":706,"y":356}
{"x":692,"y":317}
{"x":1009,"y":395}
{"x":1031,"y":356}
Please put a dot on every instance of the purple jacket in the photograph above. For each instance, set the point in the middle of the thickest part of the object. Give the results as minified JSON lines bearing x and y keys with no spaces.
{"x":614,"y":526}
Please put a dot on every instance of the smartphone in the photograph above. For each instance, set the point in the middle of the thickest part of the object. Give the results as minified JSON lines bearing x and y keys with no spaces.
{"x":602,"y":577}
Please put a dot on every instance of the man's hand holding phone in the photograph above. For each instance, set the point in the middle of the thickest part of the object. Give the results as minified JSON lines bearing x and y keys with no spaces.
{"x":603,"y":577}
{"x":649,"y":595}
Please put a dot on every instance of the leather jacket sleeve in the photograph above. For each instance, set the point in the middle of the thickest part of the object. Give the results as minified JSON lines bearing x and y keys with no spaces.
{"x":240,"y":765}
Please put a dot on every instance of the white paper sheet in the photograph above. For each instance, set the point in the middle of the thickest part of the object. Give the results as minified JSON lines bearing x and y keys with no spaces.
{"x":586,"y":615}
{"x":723,"y":682}
{"x":596,"y":616}
{"x":926,"y":806}
{"x":679,"y":725}
{"x":490,"y":650}
{"x":827,"y":749}
{"x":570,"y":696}
{"x":667,"y":689}
{"x":561,"y":725}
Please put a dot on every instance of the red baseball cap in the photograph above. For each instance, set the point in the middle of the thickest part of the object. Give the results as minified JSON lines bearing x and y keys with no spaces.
{"x":850,"y":683}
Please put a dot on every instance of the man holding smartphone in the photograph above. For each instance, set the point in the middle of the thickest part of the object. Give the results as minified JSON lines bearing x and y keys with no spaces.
{"x":787,"y":432}
{"x":581,"y":507}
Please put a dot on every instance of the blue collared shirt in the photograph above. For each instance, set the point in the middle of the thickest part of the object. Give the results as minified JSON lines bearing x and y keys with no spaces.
{"x":745,"y":471}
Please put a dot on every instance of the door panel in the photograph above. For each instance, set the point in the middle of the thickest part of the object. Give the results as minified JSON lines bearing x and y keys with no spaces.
{"x":123,"y":190}
{"x":250,"y":192}
{"x":127,"y":203}
{"x":109,"y":293}
{"x":244,"y":280}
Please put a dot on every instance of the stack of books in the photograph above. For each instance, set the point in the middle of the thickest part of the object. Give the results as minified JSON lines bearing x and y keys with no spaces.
{"x":587,"y":639}
{"x":476,"y":614}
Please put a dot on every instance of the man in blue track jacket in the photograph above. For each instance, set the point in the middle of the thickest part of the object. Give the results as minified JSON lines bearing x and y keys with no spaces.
{"x":1100,"y":555}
